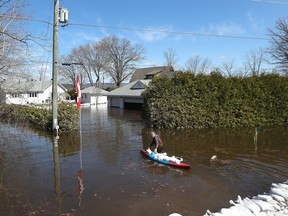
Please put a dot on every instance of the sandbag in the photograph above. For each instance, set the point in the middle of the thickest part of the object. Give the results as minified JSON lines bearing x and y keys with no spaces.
{"x":265,"y":206}
{"x":280,"y":192}
{"x":251,"y":205}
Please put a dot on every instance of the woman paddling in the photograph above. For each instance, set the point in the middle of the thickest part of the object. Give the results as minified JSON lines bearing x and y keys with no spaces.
{"x":157,"y":142}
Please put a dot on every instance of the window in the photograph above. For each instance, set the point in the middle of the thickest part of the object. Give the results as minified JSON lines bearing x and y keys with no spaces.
{"x":32,"y":94}
{"x":16,"y":95}
{"x":149,"y":77}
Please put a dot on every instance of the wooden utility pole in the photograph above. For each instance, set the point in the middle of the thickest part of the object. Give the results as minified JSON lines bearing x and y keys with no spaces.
{"x":55,"y":67}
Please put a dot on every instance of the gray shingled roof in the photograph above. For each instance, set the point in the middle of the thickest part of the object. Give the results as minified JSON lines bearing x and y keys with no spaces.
{"x":93,"y":90}
{"x":132,"y":89}
{"x":139,"y":74}
{"x":31,"y":86}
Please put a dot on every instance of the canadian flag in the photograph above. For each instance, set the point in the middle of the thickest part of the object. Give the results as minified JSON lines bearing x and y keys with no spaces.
{"x":78,"y":92}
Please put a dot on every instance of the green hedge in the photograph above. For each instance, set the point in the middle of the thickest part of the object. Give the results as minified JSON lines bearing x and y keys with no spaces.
{"x":213,"y":101}
{"x":68,"y":117}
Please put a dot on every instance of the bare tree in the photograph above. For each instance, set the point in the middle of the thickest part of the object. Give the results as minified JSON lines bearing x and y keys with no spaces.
{"x":13,"y":39}
{"x":95,"y":59}
{"x":88,"y":58}
{"x":69,"y":68}
{"x":253,"y":61}
{"x":82,"y":55}
{"x":278,"y":49}
{"x":228,"y":68}
{"x":111,"y":55}
{"x":170,"y":57}
{"x":120,"y":57}
{"x":67,"y":73}
{"x":198,"y":65}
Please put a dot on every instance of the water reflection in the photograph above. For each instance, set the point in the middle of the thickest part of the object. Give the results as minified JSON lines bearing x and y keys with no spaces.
{"x":102,"y":172}
{"x":57,"y":187}
{"x":69,"y":143}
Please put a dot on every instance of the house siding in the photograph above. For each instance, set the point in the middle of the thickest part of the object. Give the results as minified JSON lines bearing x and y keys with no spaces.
{"x":93,"y":99}
{"x":115,"y":102}
{"x":93,"y":95}
{"x":134,"y":100}
{"x":41,"y":97}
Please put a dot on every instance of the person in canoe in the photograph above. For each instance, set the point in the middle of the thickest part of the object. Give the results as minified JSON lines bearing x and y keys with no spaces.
{"x":156,"y":142}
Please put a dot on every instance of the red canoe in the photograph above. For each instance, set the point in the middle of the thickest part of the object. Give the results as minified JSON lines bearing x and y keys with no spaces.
{"x":165,"y":162}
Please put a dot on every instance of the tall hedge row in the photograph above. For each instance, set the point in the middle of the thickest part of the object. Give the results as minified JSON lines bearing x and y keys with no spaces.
{"x":213,"y":101}
{"x":68,"y":117}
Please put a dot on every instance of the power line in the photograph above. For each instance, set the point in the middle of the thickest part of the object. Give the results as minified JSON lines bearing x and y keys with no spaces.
{"x":168,"y":32}
{"x":152,"y":30}
{"x":272,"y":2}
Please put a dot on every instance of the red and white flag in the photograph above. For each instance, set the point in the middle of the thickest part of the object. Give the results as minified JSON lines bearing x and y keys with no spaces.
{"x":78,"y":92}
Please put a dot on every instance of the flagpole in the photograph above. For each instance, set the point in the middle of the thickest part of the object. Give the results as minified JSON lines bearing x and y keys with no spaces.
{"x":80,"y":175}
{"x":80,"y":128}
{"x":80,"y":172}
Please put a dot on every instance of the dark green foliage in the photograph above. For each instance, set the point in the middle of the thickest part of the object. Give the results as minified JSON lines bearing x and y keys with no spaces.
{"x":41,"y":117}
{"x":72,"y":94}
{"x":68,"y":117}
{"x":199,"y":101}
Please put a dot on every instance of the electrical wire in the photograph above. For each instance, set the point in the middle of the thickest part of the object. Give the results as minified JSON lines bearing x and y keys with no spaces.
{"x":150,"y":30}
{"x":268,"y":1}
{"x":169,"y":32}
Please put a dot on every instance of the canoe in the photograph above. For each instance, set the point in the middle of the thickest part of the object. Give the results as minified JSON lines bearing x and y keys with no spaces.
{"x":154,"y":157}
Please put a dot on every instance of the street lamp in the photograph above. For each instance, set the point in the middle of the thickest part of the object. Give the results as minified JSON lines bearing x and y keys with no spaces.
{"x":73,"y":63}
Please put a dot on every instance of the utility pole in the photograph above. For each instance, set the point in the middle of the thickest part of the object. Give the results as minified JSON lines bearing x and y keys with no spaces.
{"x":55,"y":67}
{"x":62,"y":17}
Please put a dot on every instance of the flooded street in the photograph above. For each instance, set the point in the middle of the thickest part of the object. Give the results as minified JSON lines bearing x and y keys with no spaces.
{"x":101,"y":171}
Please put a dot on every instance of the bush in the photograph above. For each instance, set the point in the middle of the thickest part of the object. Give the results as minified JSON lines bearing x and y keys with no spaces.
{"x":40,"y":117}
{"x":212,"y":101}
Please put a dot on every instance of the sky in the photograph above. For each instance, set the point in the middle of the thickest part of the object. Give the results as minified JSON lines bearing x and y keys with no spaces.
{"x":220,"y":30}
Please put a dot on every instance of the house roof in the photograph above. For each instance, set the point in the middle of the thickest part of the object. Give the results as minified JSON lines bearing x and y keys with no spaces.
{"x":31,"y":86}
{"x":140,"y":74}
{"x":93,"y":90}
{"x":132,"y":89}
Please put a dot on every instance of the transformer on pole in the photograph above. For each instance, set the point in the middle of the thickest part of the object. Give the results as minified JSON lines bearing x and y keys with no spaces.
{"x":63,"y":15}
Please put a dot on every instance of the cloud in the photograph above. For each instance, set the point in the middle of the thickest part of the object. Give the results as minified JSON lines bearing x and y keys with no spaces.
{"x":43,"y":67}
{"x":87,"y":37}
{"x":255,"y":23}
{"x":151,"y":36}
{"x":43,"y":71}
{"x":150,"y":64}
{"x":226,"y":28}
{"x":75,"y":38}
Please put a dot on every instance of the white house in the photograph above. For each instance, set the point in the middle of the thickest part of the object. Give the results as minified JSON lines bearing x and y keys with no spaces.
{"x":32,"y":92}
{"x":93,"y":95}
{"x":128,"y":96}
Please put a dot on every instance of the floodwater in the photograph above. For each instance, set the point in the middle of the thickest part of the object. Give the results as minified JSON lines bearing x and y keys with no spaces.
{"x":101,"y":171}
